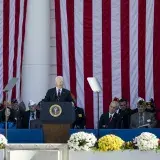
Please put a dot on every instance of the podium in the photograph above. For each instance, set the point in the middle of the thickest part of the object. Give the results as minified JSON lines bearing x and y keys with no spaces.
{"x":56,"y":118}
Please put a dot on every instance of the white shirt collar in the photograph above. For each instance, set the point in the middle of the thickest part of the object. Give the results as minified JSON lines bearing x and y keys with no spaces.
{"x":111,"y":115}
{"x":117,"y":111}
{"x":57,"y":89}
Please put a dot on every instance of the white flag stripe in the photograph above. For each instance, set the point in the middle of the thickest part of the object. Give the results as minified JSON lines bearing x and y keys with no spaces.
{"x":116,"y":48}
{"x":65,"y":54}
{"x":97,"y":54}
{"x":1,"y":50}
{"x":133,"y":52}
{"x":11,"y":41}
{"x":78,"y":19}
{"x":19,"y":49}
{"x":149,"y":49}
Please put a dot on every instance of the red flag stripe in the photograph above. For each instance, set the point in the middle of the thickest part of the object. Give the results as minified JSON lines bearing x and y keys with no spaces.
{"x":17,"y":14}
{"x":71,"y":45}
{"x":88,"y":70}
{"x":141,"y":47}
{"x":6,"y":8}
{"x":106,"y":54}
{"x":125,"y":49}
{"x":58,"y":37}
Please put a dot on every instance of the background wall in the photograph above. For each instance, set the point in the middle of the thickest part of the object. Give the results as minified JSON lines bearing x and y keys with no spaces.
{"x":53,"y":68}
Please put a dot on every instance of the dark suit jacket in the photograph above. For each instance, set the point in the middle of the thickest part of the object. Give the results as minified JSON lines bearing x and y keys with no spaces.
{"x":106,"y":123}
{"x":26,"y":117}
{"x":124,"y":118}
{"x":80,"y":118}
{"x":51,"y":96}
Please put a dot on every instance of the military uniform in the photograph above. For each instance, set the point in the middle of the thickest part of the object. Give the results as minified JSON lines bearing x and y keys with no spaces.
{"x":80,"y":119}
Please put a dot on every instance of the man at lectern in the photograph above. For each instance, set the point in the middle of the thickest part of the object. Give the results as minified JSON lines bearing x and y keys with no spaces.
{"x":58,"y":94}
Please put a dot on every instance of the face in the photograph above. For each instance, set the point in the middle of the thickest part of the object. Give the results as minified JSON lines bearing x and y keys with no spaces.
{"x":112,"y":108}
{"x":32,"y":108}
{"x":59,"y":82}
{"x":141,"y":108}
{"x":149,"y":106}
{"x":8,"y":112}
{"x":123,"y":105}
{"x":15,"y":106}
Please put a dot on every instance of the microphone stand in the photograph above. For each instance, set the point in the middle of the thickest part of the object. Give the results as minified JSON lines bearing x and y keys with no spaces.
{"x":6,"y":127}
{"x":98,"y":115}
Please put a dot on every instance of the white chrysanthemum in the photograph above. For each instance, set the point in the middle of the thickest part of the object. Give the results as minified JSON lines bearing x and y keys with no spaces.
{"x":3,"y":139}
{"x":146,"y":141}
{"x":81,"y":141}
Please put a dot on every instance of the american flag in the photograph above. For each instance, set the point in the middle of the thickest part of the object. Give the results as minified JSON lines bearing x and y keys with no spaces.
{"x":12,"y":30}
{"x":116,"y":41}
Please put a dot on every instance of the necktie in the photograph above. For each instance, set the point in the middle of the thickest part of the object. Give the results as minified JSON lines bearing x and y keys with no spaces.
{"x":59,"y":92}
{"x":140,"y":119}
{"x":110,"y":118}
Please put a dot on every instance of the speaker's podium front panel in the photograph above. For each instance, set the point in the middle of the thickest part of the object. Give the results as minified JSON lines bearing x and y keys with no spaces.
{"x":56,"y":119}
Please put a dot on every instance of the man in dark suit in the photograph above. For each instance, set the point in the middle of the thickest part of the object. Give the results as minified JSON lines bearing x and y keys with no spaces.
{"x":58,"y":94}
{"x":110,"y":120}
{"x":30,"y":115}
{"x":124,"y":114}
{"x":19,"y":111}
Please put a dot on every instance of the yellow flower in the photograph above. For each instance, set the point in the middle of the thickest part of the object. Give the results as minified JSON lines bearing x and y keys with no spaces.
{"x":110,"y":143}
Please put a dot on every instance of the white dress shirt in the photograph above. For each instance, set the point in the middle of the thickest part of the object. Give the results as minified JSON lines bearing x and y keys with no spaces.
{"x":31,"y":117}
{"x":57,"y":89}
{"x":111,"y":115}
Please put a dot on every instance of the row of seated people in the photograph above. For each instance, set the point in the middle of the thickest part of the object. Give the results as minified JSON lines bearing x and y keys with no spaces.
{"x":119,"y":115}
{"x":18,"y":117}
{"x":122,"y":117}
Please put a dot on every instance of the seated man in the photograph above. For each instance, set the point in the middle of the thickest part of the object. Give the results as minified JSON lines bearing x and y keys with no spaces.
{"x":142,"y":119}
{"x":32,"y":114}
{"x":80,"y":121}
{"x":124,"y":114}
{"x":18,"y":112}
{"x":110,"y":120}
{"x":80,"y":118}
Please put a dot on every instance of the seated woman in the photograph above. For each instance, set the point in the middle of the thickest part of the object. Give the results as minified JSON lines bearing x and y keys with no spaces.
{"x":10,"y":117}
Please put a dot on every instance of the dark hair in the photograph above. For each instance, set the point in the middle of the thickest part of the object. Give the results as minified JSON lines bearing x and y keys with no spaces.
{"x":141,"y":102}
{"x":123,"y":100}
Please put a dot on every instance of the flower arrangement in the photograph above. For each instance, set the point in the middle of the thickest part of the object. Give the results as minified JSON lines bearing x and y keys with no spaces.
{"x":81,"y":141}
{"x":3,"y":141}
{"x":110,"y":143}
{"x":146,"y":141}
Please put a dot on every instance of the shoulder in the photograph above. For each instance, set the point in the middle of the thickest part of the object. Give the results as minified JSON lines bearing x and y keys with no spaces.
{"x":105,"y":114}
{"x":80,"y":109}
{"x":116,"y":115}
{"x":65,"y":90}
{"x":134,"y":115}
{"x":149,"y":114}
{"x":51,"y":90}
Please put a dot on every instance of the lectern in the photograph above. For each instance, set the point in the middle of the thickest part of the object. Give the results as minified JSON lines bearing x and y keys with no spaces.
{"x":56,"y":118}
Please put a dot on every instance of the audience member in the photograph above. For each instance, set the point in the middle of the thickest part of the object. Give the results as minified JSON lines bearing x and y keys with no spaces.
{"x":18,"y":111}
{"x":142,"y":119}
{"x":80,"y":121}
{"x":110,"y":120}
{"x":31,"y":114}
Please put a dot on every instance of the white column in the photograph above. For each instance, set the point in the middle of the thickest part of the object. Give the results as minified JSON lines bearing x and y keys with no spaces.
{"x":35,"y":69}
